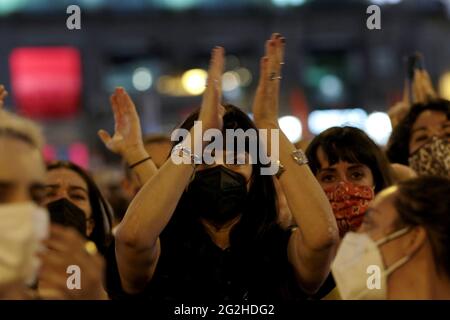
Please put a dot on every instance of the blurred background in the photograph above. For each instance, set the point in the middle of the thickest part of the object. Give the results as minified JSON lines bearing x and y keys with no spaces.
{"x":336,"y":72}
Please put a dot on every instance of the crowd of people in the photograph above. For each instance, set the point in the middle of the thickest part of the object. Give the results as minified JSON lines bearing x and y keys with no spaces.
{"x":342,"y":219}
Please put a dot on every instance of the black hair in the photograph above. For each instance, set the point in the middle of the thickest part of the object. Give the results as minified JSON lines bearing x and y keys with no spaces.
{"x":101,"y":211}
{"x":425,"y":201}
{"x":259,"y":217}
{"x":354,"y":146}
{"x":398,"y":145}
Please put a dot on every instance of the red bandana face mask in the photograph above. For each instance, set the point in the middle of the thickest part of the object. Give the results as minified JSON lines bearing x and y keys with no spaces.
{"x":349,"y":203}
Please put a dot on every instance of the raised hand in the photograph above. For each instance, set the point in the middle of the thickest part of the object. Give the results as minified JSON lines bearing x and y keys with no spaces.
{"x":3,"y":95}
{"x":127,"y":130}
{"x":399,"y":110}
{"x":211,"y":112}
{"x":423,"y":90}
{"x":265,"y":105}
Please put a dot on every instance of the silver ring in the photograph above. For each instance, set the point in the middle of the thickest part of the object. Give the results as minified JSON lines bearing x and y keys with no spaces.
{"x":272,"y":78}
{"x":282,"y":63}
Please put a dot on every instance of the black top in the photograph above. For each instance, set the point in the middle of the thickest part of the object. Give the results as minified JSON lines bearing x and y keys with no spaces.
{"x":192,"y":268}
{"x":325,"y":289}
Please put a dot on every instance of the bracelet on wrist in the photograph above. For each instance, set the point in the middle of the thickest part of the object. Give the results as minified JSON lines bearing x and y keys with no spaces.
{"x":131,"y":166}
{"x":183,"y":151}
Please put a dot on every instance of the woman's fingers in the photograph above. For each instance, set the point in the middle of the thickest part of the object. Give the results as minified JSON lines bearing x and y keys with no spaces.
{"x":263,"y":71}
{"x":124,"y":109}
{"x":217,"y":63}
{"x":121,"y":100}
{"x":406,"y":94}
{"x":105,"y":137}
{"x":129,"y":107}
{"x":68,"y":236}
{"x":266,"y":100}
{"x":275,"y":55}
{"x":115,"y":107}
{"x":275,"y":52}
{"x":418,"y":96}
{"x":51,"y":259}
{"x":271,"y":55}
{"x":211,"y":98}
{"x":272,"y":68}
{"x":430,"y":93}
{"x":215,"y":94}
{"x":279,"y":57}
{"x":212,"y":95}
{"x":279,"y":53}
{"x":281,"y":42}
{"x":423,"y":87}
{"x":215,"y":72}
{"x":222,"y":111}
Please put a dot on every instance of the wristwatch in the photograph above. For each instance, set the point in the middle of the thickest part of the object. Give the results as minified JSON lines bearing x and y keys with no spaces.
{"x":186,"y":152}
{"x":300,"y":157}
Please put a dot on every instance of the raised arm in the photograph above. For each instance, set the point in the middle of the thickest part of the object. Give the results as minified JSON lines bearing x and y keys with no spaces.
{"x":137,"y":238}
{"x":422,"y":92}
{"x":127,"y":139}
{"x":313,"y":244}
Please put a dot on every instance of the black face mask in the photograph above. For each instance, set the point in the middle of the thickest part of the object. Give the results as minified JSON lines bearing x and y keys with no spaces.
{"x":64,"y":212}
{"x":217,"y":194}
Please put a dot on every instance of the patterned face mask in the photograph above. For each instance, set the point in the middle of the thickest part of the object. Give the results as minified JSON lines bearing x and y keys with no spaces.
{"x":349,"y":203}
{"x":433,"y":158}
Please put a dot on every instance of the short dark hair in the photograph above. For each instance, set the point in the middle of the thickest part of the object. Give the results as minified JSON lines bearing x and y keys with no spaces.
{"x":101,"y":210}
{"x":425,"y":201}
{"x":398,"y":145}
{"x":352,"y":145}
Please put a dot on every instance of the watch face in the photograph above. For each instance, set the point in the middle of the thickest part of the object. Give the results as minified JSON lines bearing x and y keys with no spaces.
{"x":300,"y":157}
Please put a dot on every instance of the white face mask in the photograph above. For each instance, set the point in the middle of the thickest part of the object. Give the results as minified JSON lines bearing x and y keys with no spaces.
{"x":22,"y":228}
{"x":356,"y":264}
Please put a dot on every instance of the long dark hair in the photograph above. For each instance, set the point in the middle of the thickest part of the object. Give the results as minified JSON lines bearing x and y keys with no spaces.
{"x":352,"y":145}
{"x":260,"y":214}
{"x":101,"y":211}
{"x":425,"y":201}
{"x":398,"y":145}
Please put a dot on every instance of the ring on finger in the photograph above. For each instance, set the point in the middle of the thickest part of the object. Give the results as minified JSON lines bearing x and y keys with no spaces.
{"x":90,"y":248}
{"x":274,"y":77}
